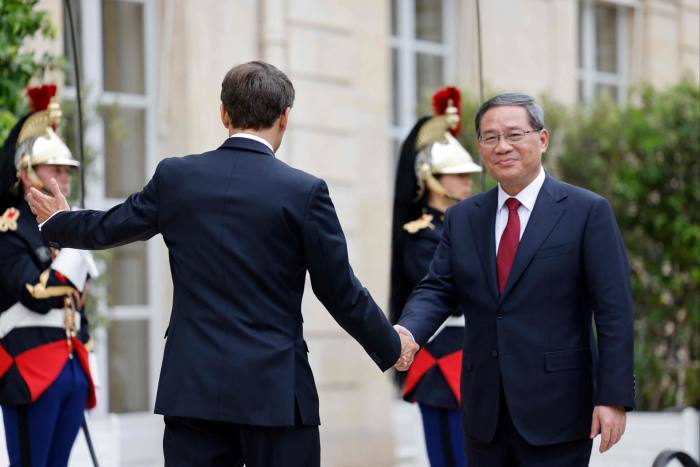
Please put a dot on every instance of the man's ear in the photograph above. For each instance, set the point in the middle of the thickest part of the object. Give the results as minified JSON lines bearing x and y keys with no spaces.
{"x":24,"y":178}
{"x":284,"y":118}
{"x":544,"y":139}
{"x":225,"y":119}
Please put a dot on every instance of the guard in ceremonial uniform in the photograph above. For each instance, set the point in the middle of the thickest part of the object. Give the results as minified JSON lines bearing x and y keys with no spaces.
{"x":45,"y":382}
{"x":434,"y":172}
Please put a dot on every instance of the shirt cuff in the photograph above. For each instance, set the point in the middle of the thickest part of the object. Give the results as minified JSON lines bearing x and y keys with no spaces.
{"x":402,"y":329}
{"x":42,"y":224}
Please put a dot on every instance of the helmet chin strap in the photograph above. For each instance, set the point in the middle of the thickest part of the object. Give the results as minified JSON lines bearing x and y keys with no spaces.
{"x":437,"y":187}
{"x":31,"y":174}
{"x":36,"y":181}
{"x":427,"y":179}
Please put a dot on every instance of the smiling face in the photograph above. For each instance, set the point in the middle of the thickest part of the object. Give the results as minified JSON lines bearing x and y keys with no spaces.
{"x":513,"y":165}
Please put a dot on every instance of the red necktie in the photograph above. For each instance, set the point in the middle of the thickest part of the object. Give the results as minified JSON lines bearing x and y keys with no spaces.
{"x":508,"y":245}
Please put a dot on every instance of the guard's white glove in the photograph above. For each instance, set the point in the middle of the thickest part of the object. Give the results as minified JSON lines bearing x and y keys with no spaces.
{"x":76,"y":265}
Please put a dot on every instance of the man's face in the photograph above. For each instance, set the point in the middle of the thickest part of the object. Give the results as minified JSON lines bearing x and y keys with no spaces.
{"x":62,"y":174}
{"x":513,"y":165}
{"x":459,"y":185}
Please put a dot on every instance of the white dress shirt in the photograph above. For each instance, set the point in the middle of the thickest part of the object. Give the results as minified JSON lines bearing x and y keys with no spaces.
{"x":254,"y":138}
{"x":527,"y":198}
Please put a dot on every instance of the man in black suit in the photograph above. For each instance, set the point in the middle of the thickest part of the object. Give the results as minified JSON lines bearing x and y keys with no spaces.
{"x":532,"y":262}
{"x":242,"y":229}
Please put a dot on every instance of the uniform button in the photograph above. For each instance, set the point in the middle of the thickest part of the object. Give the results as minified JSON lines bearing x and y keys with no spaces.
{"x":494,"y":354}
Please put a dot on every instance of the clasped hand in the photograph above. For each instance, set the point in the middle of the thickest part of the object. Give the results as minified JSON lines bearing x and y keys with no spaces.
{"x":408,"y":348}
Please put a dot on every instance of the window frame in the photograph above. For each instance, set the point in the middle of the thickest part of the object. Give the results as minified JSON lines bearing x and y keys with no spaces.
{"x":587,"y":74}
{"x":406,"y":44}
{"x":91,"y":58}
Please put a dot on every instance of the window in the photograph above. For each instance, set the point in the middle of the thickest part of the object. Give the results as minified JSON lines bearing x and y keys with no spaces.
{"x":422,"y":59}
{"x":118,"y":90}
{"x":603,"y":50}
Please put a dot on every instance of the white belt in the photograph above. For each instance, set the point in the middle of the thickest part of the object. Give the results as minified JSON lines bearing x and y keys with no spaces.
{"x":19,"y":316}
{"x":452,"y":322}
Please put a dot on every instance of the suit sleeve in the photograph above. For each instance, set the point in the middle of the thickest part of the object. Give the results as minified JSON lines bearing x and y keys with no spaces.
{"x":420,"y":250}
{"x":608,"y":278}
{"x":336,"y":286}
{"x":134,"y":219}
{"x":433,"y":299}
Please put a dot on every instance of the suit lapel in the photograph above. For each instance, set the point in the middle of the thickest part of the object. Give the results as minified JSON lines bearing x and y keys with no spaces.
{"x":545,"y":216}
{"x":484,"y":238}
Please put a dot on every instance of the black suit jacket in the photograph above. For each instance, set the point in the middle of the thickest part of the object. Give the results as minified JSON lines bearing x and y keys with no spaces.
{"x":536,"y":339}
{"x":242,"y":229}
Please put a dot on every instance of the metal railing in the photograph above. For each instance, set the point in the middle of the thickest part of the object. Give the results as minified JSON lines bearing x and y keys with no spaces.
{"x":665,"y":458}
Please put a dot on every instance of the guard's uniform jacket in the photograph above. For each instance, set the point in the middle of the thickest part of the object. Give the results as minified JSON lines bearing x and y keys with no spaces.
{"x":434,"y":376}
{"x":40,"y":329}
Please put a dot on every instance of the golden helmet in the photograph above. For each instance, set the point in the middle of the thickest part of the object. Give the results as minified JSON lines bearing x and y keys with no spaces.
{"x":438,"y":151}
{"x":38,"y":143}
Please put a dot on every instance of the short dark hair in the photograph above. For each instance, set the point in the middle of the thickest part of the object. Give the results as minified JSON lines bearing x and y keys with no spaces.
{"x":535,"y":114}
{"x":255,"y":94}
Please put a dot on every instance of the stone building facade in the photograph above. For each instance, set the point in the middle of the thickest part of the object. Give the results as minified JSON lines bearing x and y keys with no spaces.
{"x":363,"y":70}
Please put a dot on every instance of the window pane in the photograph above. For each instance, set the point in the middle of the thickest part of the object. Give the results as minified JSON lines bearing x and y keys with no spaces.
{"x":128,"y":366}
{"x":68,"y":44}
{"x":128,"y":275}
{"x":68,"y":132}
{"x":123,"y":46}
{"x":429,"y":77}
{"x":606,"y":37}
{"x":429,"y":20}
{"x":395,"y":88}
{"x":125,"y":156}
{"x":606,"y":90}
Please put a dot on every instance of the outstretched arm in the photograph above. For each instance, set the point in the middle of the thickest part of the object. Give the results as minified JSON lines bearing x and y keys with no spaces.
{"x":134,"y":219}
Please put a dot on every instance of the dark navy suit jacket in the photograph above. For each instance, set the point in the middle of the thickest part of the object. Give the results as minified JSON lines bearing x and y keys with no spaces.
{"x":242,"y":229}
{"x":536,"y":339}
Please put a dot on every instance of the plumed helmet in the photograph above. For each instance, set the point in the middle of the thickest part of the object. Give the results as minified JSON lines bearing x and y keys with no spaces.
{"x":38,"y":143}
{"x":438,"y":151}
{"x":33,"y":141}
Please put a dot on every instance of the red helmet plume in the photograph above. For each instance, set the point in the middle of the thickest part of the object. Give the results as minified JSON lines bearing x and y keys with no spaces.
{"x":40,"y":96}
{"x":440,"y":102}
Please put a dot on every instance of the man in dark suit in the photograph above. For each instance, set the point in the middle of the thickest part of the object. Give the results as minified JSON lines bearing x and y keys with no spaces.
{"x":533,"y":262}
{"x":242,"y":229}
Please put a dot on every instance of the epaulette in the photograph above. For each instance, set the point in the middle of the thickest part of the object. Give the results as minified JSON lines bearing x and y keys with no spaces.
{"x":8,"y":221}
{"x":423,"y":222}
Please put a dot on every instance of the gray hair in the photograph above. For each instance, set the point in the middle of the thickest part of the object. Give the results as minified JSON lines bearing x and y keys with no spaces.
{"x":535,"y":114}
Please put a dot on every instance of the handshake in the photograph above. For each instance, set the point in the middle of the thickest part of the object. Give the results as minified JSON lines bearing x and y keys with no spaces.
{"x":408,"y":348}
